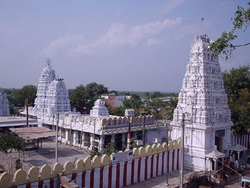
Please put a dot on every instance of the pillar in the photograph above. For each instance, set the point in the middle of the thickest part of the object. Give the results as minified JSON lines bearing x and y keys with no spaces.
{"x":238,"y":152}
{"x":75,"y":137}
{"x":67,"y":136}
{"x":60,"y":131}
{"x":101,"y":143}
{"x":91,"y":141}
{"x":83,"y":139}
{"x":135,"y":135}
{"x":113,"y":138}
{"x":123,"y":139}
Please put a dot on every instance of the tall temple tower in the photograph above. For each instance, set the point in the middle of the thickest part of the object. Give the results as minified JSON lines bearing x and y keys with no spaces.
{"x":52,"y":94}
{"x":202,"y":107}
{"x":4,"y":104}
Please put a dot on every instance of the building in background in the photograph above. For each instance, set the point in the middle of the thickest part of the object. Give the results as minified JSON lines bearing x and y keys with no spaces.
{"x":114,"y":100}
{"x":202,"y":105}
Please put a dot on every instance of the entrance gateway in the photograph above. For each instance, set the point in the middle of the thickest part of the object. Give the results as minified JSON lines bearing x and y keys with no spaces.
{"x":202,"y":105}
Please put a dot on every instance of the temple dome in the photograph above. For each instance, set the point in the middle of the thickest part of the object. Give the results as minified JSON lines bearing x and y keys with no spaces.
{"x":52,"y":94}
{"x":57,"y":97}
{"x":47,"y":74}
{"x":99,"y":109}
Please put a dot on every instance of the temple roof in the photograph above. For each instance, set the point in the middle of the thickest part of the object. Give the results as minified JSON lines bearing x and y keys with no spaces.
{"x":99,"y":109}
{"x":215,"y":154}
{"x":238,"y":148}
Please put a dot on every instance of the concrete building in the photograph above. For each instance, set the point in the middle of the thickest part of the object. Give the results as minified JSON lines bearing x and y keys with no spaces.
{"x":4,"y":104}
{"x":202,"y":105}
{"x":8,"y":122}
{"x":114,"y":100}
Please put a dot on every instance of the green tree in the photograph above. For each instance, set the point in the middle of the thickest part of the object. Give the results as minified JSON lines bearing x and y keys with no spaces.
{"x":110,"y":148}
{"x":156,"y":106}
{"x":134,"y":102}
{"x":93,"y":92}
{"x":27,"y":92}
{"x":10,"y":142}
{"x":171,"y":105}
{"x":78,"y":98}
{"x":235,"y":80}
{"x":93,"y":89}
{"x":116,"y":111}
{"x":83,"y":98}
{"x":237,"y":84}
{"x":240,"y":110}
{"x":156,"y":94}
{"x":113,"y":91}
{"x":12,"y":97}
{"x":225,"y":44}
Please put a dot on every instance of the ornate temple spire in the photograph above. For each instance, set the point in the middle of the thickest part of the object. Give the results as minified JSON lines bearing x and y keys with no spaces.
{"x":203,"y":102}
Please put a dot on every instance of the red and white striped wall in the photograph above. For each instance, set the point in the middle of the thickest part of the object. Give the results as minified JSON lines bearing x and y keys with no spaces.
{"x":243,"y":140}
{"x":129,"y":172}
{"x":49,"y":183}
{"x":120,"y":174}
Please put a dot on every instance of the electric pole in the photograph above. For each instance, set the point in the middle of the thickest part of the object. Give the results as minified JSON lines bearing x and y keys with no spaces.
{"x":56,"y":154}
{"x":182,"y":154}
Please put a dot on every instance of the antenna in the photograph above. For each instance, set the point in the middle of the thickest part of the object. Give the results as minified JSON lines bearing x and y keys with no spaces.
{"x":202,"y":20}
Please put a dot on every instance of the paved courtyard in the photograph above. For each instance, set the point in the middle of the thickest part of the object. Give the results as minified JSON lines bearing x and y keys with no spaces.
{"x":46,"y":154}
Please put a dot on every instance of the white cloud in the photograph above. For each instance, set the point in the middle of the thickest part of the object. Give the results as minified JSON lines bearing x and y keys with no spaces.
{"x":62,"y":44}
{"x":152,"y":42}
{"x":118,"y":35}
{"x":171,"y":4}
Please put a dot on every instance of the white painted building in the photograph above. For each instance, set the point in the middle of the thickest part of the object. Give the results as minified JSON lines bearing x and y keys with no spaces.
{"x":4,"y":104}
{"x":202,"y":103}
{"x":52,"y":94}
{"x":93,"y":131}
{"x":96,"y":130}
{"x":114,"y":100}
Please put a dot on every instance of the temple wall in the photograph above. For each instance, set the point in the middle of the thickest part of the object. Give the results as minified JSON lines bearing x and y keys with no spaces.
{"x":147,"y":163}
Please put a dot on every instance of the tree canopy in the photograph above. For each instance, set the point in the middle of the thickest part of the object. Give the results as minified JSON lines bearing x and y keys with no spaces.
{"x":235,"y":80}
{"x":17,"y":97}
{"x":82,"y":98}
{"x":78,"y":98}
{"x":224,"y":44}
{"x":9,"y":142}
{"x":27,"y":92}
{"x":237,"y":87}
{"x":134,"y":102}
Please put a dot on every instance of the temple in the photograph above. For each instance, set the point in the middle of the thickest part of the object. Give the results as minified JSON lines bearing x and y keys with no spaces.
{"x":93,"y":131}
{"x":4,"y":104}
{"x":202,"y":107}
{"x":52,"y":94}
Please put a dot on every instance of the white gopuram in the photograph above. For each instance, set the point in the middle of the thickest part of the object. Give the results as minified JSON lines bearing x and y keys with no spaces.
{"x":202,"y":106}
{"x":52,"y":94}
{"x":4,"y":104}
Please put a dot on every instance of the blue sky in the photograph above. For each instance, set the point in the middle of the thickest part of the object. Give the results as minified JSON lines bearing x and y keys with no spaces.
{"x":132,"y":45}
